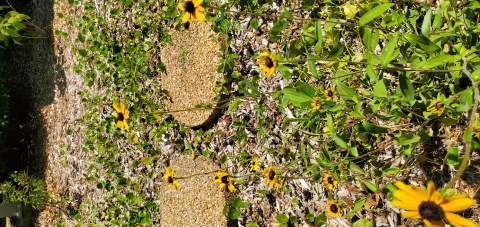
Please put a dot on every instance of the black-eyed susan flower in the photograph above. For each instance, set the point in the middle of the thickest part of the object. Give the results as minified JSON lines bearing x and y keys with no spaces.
{"x":329,"y":181}
{"x":192,"y":10}
{"x":476,"y":130}
{"x":169,"y":175}
{"x":316,"y":103}
{"x":431,"y":206}
{"x":225,"y":180}
{"x":332,"y":209}
{"x":272,"y":177}
{"x":122,"y":115}
{"x":254,"y":164}
{"x":328,"y":94}
{"x":436,"y":107}
{"x":267,"y":63}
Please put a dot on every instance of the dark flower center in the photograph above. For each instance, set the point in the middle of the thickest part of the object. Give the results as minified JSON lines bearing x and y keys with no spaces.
{"x":268,"y":62}
{"x":225,"y":179}
{"x":330,"y":180}
{"x":120,"y":116}
{"x":170,"y":180}
{"x":430,"y":211}
{"x":439,"y":105}
{"x":271,"y":175}
{"x":329,"y":93}
{"x":334,"y":208}
{"x":317,"y":102}
{"x":189,"y":7}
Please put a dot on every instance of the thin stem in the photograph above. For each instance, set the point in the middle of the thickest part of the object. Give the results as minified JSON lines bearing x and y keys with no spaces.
{"x":468,"y":140}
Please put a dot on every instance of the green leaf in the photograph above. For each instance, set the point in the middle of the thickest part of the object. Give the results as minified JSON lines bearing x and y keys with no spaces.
{"x":370,"y":185}
{"x":319,"y":36}
{"x":453,"y":155}
{"x":308,"y":4}
{"x":406,"y":139}
{"x":436,"y":61}
{"x":363,"y":223}
{"x":448,"y":121}
{"x":282,"y":218}
{"x":297,"y":98}
{"x":18,"y":25}
{"x":233,"y":214}
{"x":254,"y":24}
{"x":374,"y":13}
{"x":388,"y":51}
{"x":406,"y":87}
{"x":422,"y":42}
{"x":359,"y":204}
{"x":390,"y":171}
{"x":234,"y":105}
{"x":12,"y":32}
{"x":148,"y":161}
{"x":320,"y":220}
{"x":346,"y":93}
{"x":372,"y":128}
{"x":331,"y":129}
{"x":380,"y":90}
{"x":312,"y":66}
{"x":427,"y":21}
{"x":371,"y":73}
{"x":145,"y":221}
{"x":340,"y":142}
{"x":114,"y":12}
{"x":274,"y":33}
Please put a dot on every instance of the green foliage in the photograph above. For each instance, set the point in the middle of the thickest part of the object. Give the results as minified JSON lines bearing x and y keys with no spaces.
{"x":11,"y":25}
{"x":22,"y":187}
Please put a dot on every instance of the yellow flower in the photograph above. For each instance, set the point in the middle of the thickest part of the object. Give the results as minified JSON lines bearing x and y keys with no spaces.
{"x":225,"y":180}
{"x":157,"y":115}
{"x":192,"y":10}
{"x":254,"y":164}
{"x":267,"y":63}
{"x":272,"y":177}
{"x":122,"y":115}
{"x":436,"y":107}
{"x":476,"y":130}
{"x":431,"y":206}
{"x":170,"y":176}
{"x":315,"y":103}
{"x":332,"y":209}
{"x":328,"y":94}
{"x":329,"y":181}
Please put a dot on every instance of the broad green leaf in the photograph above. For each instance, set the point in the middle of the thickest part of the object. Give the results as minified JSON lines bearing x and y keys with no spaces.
{"x":274,"y":33}
{"x":406,"y":87}
{"x":380,"y":90}
{"x":427,"y":21}
{"x":406,"y":139}
{"x":422,"y":42}
{"x":346,"y":93}
{"x":312,"y":66}
{"x":371,"y":73}
{"x":148,"y":161}
{"x":390,"y":171}
{"x":448,"y":121}
{"x":436,"y":61}
{"x":282,"y":218}
{"x":370,"y":185}
{"x":331,"y":129}
{"x":363,"y":223}
{"x":452,"y":157}
{"x":12,"y":32}
{"x":233,"y":106}
{"x":352,"y":166}
{"x":340,"y":142}
{"x":359,"y":204}
{"x":233,"y":214}
{"x":254,"y":24}
{"x":318,"y":35}
{"x":372,"y":128}
{"x":389,"y":50}
{"x":374,"y":13}
{"x":297,"y":98}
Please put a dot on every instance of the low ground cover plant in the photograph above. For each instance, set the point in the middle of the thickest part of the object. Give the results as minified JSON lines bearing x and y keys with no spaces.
{"x":357,"y":94}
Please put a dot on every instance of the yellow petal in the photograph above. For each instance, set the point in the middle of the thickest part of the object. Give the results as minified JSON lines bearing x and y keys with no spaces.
{"x":126,"y":114}
{"x":403,"y":205}
{"x":411,"y":214}
{"x":434,"y":224}
{"x":182,"y":6}
{"x":432,"y":193}
{"x":199,"y":16}
{"x":115,"y":114}
{"x":126,"y":125}
{"x":406,"y":198}
{"x":265,"y":54}
{"x":200,"y":9}
{"x":417,"y":194}
{"x":116,"y":108}
{"x":122,"y":107}
{"x":186,"y":17}
{"x":457,"y":203}
{"x":196,"y":3}
{"x":458,"y":221}
{"x":120,"y":124}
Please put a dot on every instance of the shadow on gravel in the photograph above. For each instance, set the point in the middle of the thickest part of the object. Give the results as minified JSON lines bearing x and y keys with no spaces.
{"x":32,"y":72}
